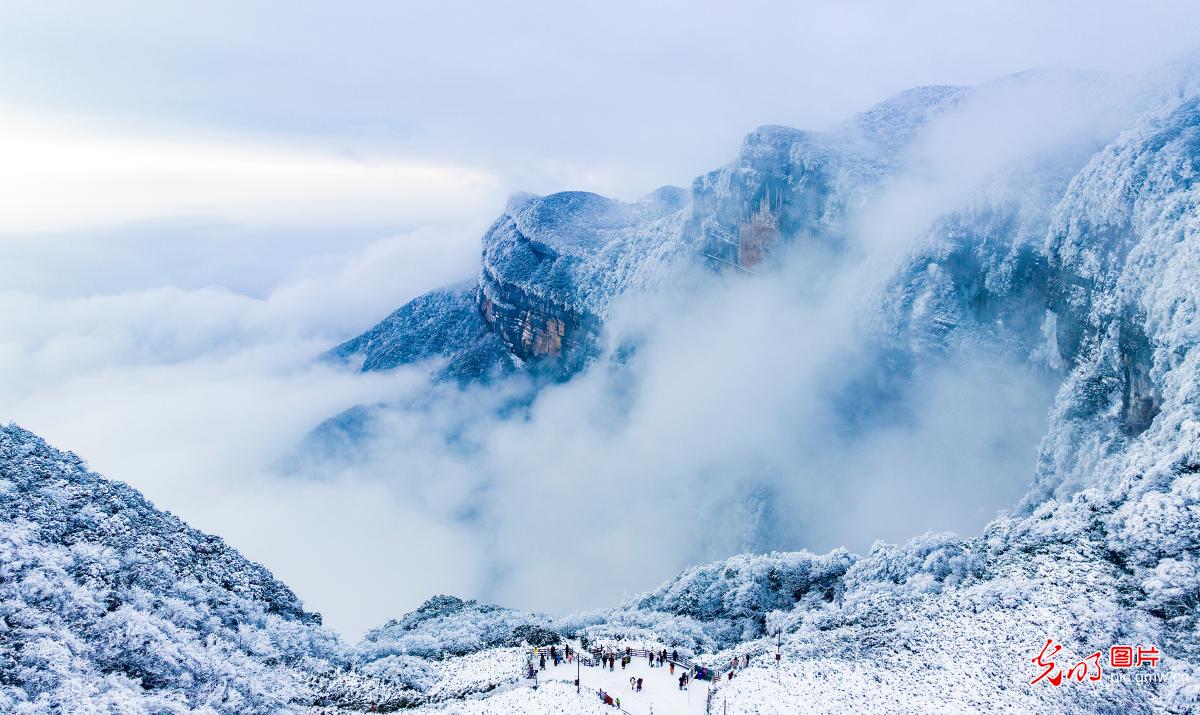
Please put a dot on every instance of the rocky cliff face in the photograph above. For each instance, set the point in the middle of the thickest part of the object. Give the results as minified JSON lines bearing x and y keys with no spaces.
{"x":552,"y":265}
{"x":789,"y":186}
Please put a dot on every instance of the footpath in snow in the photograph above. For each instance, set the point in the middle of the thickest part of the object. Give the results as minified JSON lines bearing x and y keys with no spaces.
{"x":660,"y":689}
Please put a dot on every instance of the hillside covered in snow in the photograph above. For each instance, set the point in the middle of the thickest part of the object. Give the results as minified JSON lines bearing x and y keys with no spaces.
{"x":1074,"y":260}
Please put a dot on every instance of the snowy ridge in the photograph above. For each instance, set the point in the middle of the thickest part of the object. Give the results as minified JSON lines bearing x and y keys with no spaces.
{"x":576,"y":250}
{"x":552,"y":265}
{"x":110,"y":604}
{"x":448,"y":626}
{"x":443,"y":325}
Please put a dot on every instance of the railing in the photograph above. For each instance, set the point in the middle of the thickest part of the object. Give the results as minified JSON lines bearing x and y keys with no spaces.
{"x":592,"y":655}
{"x":680,"y":660}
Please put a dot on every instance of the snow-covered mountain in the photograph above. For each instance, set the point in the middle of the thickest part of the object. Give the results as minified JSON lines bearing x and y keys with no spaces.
{"x":110,"y":605}
{"x":1078,"y":257}
{"x":552,"y":265}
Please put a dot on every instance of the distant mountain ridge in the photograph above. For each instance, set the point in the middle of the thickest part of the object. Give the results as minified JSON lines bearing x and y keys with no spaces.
{"x":551,"y":265}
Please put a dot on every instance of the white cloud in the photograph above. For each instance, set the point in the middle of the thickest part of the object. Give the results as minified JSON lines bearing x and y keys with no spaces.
{"x":196,"y":396}
{"x":67,"y":175}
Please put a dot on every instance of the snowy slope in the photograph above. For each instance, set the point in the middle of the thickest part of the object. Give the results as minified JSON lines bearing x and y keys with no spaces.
{"x":449,"y":626}
{"x":108,"y":603}
{"x":443,"y":324}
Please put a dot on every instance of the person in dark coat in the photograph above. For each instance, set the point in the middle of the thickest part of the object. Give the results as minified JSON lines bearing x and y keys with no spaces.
{"x":542,"y":662}
{"x":639,"y":685}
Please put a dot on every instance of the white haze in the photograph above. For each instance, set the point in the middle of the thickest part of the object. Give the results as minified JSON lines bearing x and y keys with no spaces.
{"x":164,"y":327}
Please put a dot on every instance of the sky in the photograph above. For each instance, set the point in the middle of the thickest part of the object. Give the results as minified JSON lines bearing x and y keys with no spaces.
{"x":195,"y":201}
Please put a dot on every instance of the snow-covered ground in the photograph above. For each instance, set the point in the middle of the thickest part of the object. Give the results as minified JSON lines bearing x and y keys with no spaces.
{"x":550,"y":699}
{"x":495,"y":668}
{"x":477,"y":672}
{"x":660,"y":689}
